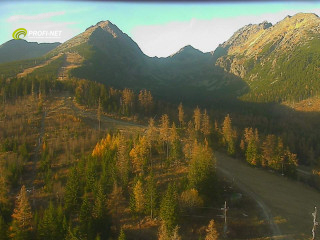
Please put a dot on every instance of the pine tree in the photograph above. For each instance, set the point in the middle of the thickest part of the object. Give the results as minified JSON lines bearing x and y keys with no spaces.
{"x":22,"y":217}
{"x":228,"y":135}
{"x":197,"y":119}
{"x":205,"y":124}
{"x":211,"y":230}
{"x":181,"y":115}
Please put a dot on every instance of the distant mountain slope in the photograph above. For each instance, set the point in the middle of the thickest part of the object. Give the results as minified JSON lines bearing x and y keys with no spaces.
{"x":112,"y":57}
{"x":280,"y":62}
{"x":14,"y":50}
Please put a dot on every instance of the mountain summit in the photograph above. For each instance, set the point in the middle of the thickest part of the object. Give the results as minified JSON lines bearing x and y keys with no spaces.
{"x":276,"y":59}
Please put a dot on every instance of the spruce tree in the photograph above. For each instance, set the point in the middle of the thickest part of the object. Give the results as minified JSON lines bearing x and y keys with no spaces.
{"x":72,"y":192}
{"x":122,"y":235}
{"x":169,"y":208}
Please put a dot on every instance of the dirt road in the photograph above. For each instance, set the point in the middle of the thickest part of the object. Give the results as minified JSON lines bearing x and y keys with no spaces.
{"x":287,"y":204}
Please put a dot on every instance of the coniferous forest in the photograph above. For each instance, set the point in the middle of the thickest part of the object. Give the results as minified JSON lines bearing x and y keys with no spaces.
{"x":99,"y":141}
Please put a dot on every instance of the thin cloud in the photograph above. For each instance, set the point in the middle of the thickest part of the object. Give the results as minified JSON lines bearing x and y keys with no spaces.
{"x":40,"y":16}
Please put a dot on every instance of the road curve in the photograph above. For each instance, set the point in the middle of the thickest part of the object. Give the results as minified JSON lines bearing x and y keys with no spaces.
{"x":266,"y":211}
{"x":287,"y":204}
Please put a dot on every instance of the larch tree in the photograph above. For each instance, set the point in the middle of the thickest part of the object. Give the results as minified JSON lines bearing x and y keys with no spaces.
{"x":228,"y":135}
{"x":163,"y":233}
{"x":139,"y":197}
{"x":268,"y":150}
{"x":176,"y":147}
{"x":164,"y":132}
{"x":205,"y":124}
{"x":139,"y":154}
{"x":123,"y":166}
{"x":181,"y":115}
{"x":251,"y":140}
{"x":99,"y":112}
{"x":197,"y":119}
{"x":175,"y":234}
{"x":212,"y":233}
{"x":151,"y":136}
{"x":145,"y":100}
{"x":290,"y":163}
{"x":22,"y":217}
{"x":127,"y":101}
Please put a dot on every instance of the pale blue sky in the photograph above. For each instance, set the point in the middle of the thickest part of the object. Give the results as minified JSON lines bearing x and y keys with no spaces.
{"x":153,"y":26}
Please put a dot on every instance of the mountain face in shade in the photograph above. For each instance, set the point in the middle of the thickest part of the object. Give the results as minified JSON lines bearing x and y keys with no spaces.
{"x":112,"y":57}
{"x":14,"y":50}
{"x":279,"y":62}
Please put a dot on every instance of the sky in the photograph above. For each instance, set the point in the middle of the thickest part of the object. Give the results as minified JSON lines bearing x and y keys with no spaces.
{"x":160,"y":29}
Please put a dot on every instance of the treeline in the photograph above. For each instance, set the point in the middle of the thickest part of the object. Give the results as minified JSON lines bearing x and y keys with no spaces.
{"x":261,"y":151}
{"x":124,"y":102}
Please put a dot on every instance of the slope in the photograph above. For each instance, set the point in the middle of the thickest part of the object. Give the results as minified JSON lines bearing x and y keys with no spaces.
{"x":279,"y":62}
{"x":14,"y":50}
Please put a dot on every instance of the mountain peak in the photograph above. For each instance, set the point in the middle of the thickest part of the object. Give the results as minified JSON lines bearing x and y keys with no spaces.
{"x":187,"y":50}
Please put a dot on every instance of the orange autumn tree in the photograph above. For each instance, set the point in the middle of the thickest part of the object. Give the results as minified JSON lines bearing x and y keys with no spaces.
{"x":22,"y":217}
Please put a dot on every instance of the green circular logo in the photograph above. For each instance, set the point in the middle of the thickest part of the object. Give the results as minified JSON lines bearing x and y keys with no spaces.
{"x":19,"y":33}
